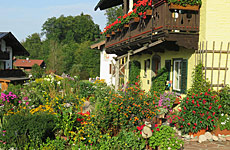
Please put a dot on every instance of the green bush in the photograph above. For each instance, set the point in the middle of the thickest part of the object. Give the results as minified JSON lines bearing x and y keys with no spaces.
{"x":134,"y":72}
{"x":85,"y":89}
{"x":225,"y":99}
{"x":21,"y":129}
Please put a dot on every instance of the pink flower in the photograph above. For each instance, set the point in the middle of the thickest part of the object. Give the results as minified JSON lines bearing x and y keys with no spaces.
{"x":27,"y":103}
{"x":4,"y":131}
{"x":19,"y":102}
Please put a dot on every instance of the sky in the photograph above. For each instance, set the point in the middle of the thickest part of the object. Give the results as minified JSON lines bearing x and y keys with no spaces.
{"x":25,"y":17}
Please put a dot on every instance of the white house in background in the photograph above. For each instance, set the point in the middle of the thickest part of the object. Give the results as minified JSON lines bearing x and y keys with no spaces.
{"x":107,"y":71}
{"x":10,"y":47}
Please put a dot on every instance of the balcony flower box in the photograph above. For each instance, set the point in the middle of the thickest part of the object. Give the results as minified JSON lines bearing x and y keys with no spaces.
{"x":126,"y":25}
{"x":108,"y":35}
{"x":188,"y":7}
{"x":136,"y":19}
{"x":149,"y":12}
{"x":113,"y":33}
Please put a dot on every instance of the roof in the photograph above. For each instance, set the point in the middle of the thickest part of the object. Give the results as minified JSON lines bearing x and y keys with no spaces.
{"x":104,"y":4}
{"x":27,"y":63}
{"x":98,"y":45}
{"x":17,"y":47}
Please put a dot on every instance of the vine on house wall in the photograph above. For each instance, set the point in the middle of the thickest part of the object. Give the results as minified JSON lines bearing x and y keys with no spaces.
{"x":134,"y":72}
{"x":159,"y":81}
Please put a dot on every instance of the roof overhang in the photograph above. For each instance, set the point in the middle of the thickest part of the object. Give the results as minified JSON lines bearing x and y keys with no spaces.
{"x":104,"y":4}
{"x":98,"y":46}
{"x":18,"y":49}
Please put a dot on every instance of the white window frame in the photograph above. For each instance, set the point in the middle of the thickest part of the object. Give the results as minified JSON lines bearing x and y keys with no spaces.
{"x":178,"y":74}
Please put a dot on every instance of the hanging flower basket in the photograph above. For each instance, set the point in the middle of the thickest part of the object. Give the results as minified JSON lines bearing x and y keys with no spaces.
{"x":126,"y":25}
{"x":188,"y":7}
{"x":113,"y":33}
{"x":108,"y":35}
{"x":149,"y":12}
{"x":200,"y":132}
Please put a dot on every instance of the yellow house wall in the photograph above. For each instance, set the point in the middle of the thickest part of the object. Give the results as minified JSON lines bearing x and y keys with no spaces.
{"x":167,"y":55}
{"x":214,"y":26}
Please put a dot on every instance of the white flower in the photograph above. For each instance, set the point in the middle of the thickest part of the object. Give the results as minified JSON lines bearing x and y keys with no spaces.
{"x":58,"y":82}
{"x":228,"y":118}
{"x":223,"y":123}
{"x":222,"y":114}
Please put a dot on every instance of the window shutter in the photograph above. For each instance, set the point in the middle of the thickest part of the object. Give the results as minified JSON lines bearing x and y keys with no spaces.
{"x":168,"y":67}
{"x":184,"y":65}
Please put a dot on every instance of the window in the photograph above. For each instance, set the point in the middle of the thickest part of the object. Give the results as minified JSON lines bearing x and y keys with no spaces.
{"x":180,"y":75}
{"x":2,"y":65}
{"x":177,"y":75}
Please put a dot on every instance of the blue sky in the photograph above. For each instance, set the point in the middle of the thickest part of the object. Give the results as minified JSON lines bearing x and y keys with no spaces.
{"x":25,"y":17}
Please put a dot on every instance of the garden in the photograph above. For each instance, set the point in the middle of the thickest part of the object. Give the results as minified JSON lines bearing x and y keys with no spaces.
{"x":51,"y":113}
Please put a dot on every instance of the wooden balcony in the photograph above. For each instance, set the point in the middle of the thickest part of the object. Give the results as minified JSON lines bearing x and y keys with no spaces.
{"x":174,"y":27}
{"x":12,"y":73}
{"x":4,"y":55}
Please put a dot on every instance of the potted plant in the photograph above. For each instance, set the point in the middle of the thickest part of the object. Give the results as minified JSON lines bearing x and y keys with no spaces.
{"x":185,"y":5}
{"x":199,"y":112}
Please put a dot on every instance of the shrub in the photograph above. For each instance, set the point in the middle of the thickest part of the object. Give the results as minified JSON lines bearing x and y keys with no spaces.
{"x":164,"y":138}
{"x":199,"y":83}
{"x":225,"y":99}
{"x":21,"y":129}
{"x":199,"y":111}
{"x":134,"y":72}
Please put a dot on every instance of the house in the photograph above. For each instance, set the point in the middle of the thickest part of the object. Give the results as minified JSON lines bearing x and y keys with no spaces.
{"x":10,"y":47}
{"x":26,"y":64}
{"x":170,"y":36}
{"x":107,"y":70}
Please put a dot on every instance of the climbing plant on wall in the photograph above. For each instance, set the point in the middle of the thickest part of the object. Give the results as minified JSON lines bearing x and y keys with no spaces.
{"x":134,"y":71}
{"x":159,"y":81}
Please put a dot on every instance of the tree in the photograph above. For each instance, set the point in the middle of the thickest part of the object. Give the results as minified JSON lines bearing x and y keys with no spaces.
{"x":33,"y":45}
{"x":36,"y":71}
{"x":113,"y":13}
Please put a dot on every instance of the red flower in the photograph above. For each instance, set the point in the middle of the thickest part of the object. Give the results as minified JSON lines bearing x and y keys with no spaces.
{"x":189,"y":124}
{"x":213,"y":113}
{"x":210,"y":107}
{"x":200,"y":121}
{"x":140,"y":132}
{"x":181,"y":126}
{"x":194,"y":127}
{"x":219,"y":106}
{"x":192,"y":96}
{"x":212,"y":120}
{"x":184,"y":108}
{"x":158,"y":129}
{"x":182,"y":119}
{"x":207,"y":128}
{"x":187,"y":102}
{"x":214,"y":126}
{"x":198,"y":105}
{"x":193,"y":101}
{"x":195,"y":124}
{"x":140,"y":13}
{"x":196,"y":95}
{"x":193,"y":112}
{"x":156,"y":125}
{"x":209,"y":90}
{"x":206,"y":93}
{"x":179,"y":110}
{"x":187,"y":98}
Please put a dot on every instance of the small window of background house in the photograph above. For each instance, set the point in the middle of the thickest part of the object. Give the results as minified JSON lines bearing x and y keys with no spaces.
{"x":147,"y":66}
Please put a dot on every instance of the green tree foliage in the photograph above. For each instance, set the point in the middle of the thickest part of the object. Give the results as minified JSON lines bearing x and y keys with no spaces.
{"x":37,"y":71}
{"x":199,"y":83}
{"x":72,"y":28}
{"x":33,"y":44}
{"x":66,"y":47}
{"x":113,"y":13}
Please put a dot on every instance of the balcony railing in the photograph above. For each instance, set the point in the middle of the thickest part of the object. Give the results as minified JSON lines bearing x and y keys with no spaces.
{"x":161,"y":23}
{"x":12,"y":73}
{"x":4,"y":55}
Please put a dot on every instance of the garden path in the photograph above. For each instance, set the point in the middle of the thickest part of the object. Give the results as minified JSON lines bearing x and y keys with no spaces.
{"x":188,"y":145}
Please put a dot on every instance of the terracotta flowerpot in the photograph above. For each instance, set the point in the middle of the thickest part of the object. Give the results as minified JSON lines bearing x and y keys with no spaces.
{"x":149,"y":12}
{"x":188,"y":7}
{"x":108,"y":35}
{"x":118,"y":30}
{"x":136,"y":19}
{"x":201,"y":132}
{"x":177,"y":101}
{"x":218,"y":131}
{"x":126,"y":25}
